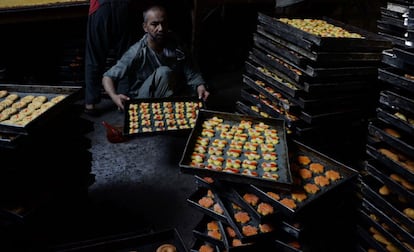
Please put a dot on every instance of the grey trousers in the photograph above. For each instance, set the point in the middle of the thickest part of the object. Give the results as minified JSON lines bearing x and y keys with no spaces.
{"x":161,"y":83}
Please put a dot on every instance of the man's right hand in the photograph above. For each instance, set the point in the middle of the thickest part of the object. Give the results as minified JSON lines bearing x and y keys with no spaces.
{"x":119,"y":100}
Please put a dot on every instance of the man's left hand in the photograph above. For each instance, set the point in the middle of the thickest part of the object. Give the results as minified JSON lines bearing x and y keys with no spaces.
{"x":202,"y":92}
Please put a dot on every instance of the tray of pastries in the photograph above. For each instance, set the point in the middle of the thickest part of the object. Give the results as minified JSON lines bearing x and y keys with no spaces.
{"x":314,"y":175}
{"x":152,"y":115}
{"x":23,"y":107}
{"x":238,"y":148}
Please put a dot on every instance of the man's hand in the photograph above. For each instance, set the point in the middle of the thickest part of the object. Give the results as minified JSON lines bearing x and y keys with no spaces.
{"x":119,"y":100}
{"x":202,"y":92}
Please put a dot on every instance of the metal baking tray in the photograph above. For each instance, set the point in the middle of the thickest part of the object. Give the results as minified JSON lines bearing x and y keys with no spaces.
{"x":286,"y":243}
{"x":395,"y":40}
{"x":182,"y":109}
{"x":367,"y":222}
{"x":302,"y":73}
{"x":301,"y":56}
{"x":366,"y":238}
{"x":284,"y":177}
{"x":10,"y":140}
{"x":329,"y":116}
{"x":245,"y":109}
{"x":390,"y":205}
{"x":236,"y":192}
{"x":199,"y":243}
{"x":243,"y":247}
{"x":395,"y":100}
{"x":70,"y":93}
{"x":55,"y":4}
{"x":391,"y":29}
{"x":370,"y":42}
{"x":373,"y":151}
{"x":234,"y":207}
{"x":387,"y":115}
{"x":264,"y":43}
{"x":384,"y":173}
{"x":403,"y":143}
{"x":396,"y":228}
{"x":148,"y":242}
{"x":407,"y":55}
{"x":283,"y":101}
{"x":202,"y":232}
{"x":251,"y":96}
{"x":278,"y":81}
{"x":295,"y":149}
{"x":390,"y":58}
{"x":396,"y":78}
{"x":391,"y":13}
{"x":210,"y":211}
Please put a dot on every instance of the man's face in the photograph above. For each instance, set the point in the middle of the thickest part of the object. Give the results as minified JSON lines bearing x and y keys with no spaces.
{"x":156,"y":25}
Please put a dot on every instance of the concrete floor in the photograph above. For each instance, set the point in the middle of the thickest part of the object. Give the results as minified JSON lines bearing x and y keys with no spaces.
{"x":138,"y":184}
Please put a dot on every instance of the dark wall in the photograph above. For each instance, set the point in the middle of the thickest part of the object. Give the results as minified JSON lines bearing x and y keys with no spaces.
{"x":35,"y":52}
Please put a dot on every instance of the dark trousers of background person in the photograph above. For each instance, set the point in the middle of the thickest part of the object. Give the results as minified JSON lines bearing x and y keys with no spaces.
{"x":111,"y":27}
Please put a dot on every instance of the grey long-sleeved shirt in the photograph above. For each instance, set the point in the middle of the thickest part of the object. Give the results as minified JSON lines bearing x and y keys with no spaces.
{"x":140,"y":61}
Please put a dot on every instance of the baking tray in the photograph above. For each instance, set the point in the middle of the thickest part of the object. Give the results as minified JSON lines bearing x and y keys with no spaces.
{"x":201,"y":192}
{"x":297,"y":148}
{"x":302,"y":73}
{"x":237,"y":193}
{"x":384,"y":173}
{"x":157,"y":115}
{"x":390,"y":205}
{"x":302,"y":56}
{"x":284,"y":179}
{"x":389,"y":58}
{"x":391,"y":29}
{"x":398,"y":101}
{"x":70,"y":93}
{"x":403,"y":143}
{"x":245,"y":109}
{"x":370,"y":42}
{"x":396,"y":40}
{"x":148,"y":242}
{"x":367,"y":222}
{"x":205,"y":230}
{"x":278,"y":98}
{"x":396,"y":78}
{"x":390,"y":117}
{"x":373,"y":150}
{"x":343,"y":114}
{"x":274,"y":78}
{"x":233,"y":242}
{"x":406,"y":54}
{"x":196,"y":247}
{"x":10,"y":140}
{"x":267,"y":106}
{"x":57,"y":4}
{"x":234,"y":207}
{"x":391,"y":13}
{"x":275,"y":48}
{"x":397,"y":231}
{"x":286,"y":243}
{"x":366,"y":238}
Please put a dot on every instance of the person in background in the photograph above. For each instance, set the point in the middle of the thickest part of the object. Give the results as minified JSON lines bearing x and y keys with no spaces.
{"x":158,"y":65}
{"x":109,"y":27}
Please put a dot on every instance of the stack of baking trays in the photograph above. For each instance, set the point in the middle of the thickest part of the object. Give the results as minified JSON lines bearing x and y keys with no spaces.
{"x":319,"y":75}
{"x":258,"y":191}
{"x":397,"y":22}
{"x":387,"y":212}
{"x":37,"y":123}
{"x":71,"y":69}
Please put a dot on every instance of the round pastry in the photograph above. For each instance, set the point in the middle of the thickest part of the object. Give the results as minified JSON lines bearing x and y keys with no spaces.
{"x":166,"y":248}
